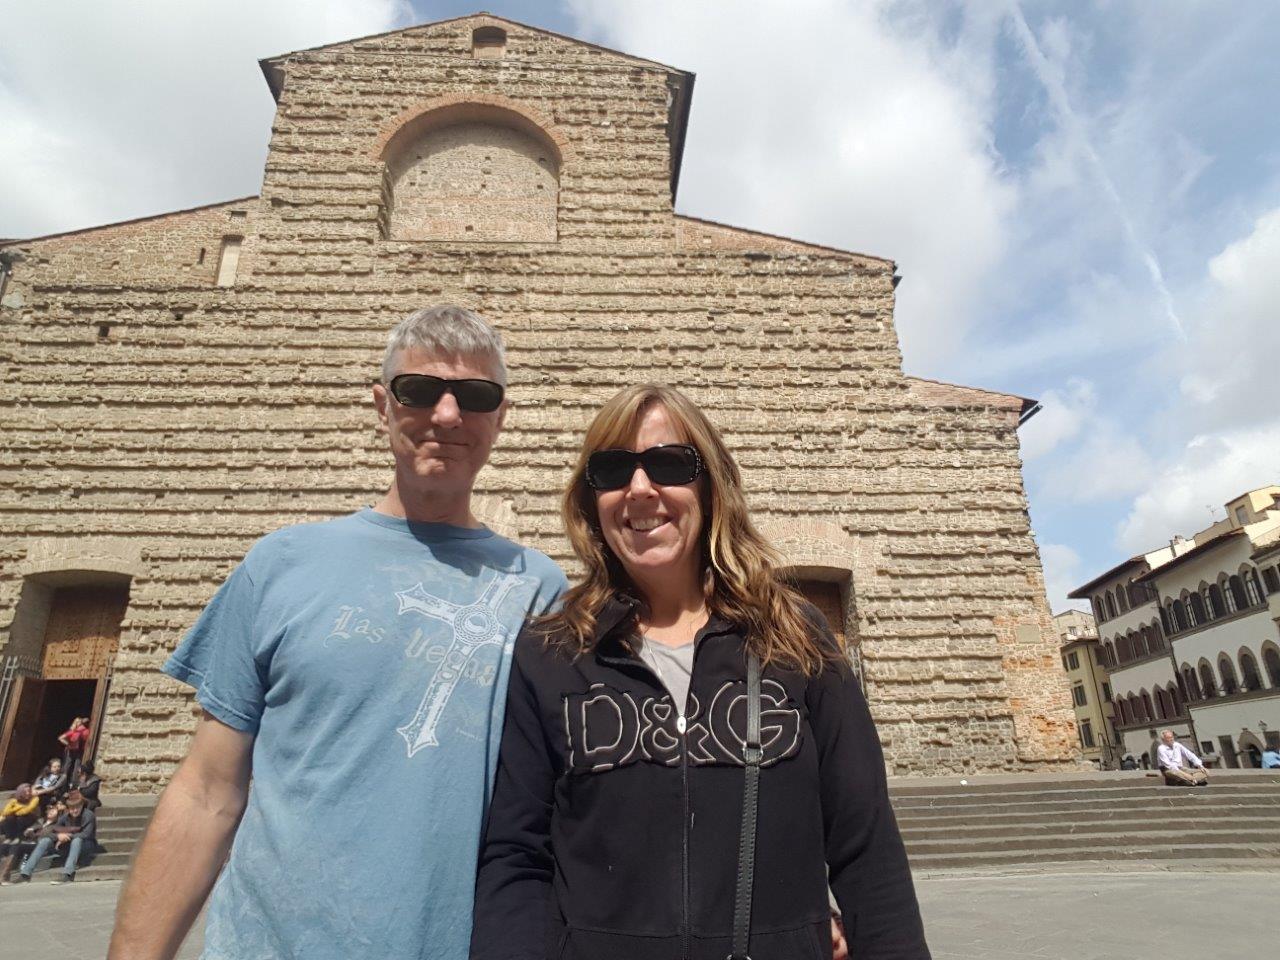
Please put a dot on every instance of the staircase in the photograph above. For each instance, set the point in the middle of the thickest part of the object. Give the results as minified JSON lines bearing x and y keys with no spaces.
{"x":1002,"y":823}
{"x":1009,"y":822}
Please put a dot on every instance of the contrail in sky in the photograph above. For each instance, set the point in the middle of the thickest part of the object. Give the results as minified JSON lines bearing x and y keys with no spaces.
{"x":1057,"y":91}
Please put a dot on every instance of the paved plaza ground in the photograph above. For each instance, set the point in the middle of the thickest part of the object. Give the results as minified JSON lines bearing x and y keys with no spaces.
{"x":1079,"y":915}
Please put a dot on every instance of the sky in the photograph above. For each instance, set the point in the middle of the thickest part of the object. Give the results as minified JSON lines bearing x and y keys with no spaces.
{"x":1082,"y":196}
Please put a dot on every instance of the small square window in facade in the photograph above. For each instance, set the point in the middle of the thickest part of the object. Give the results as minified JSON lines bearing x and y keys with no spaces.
{"x":1106,"y":692}
{"x":1073,"y":660}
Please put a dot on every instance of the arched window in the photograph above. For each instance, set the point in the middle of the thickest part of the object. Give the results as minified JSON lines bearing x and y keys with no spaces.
{"x":1139,"y":645}
{"x":1235,"y":587}
{"x":1122,"y":601}
{"x":1135,"y":707}
{"x":1227,"y":671}
{"x":1148,"y":711}
{"x":1207,"y":682}
{"x":1176,"y":615}
{"x":1155,"y":639}
{"x":1206,"y":601}
{"x":1126,"y":715}
{"x":1111,"y":605}
{"x":1216,"y":600}
{"x":1124,"y":646}
{"x":1164,"y":620}
{"x":1249,"y":676}
{"x":1163,"y":709}
{"x":1191,"y":683}
{"x":1252,"y":591}
{"x":1188,"y":610}
{"x":1197,"y":608}
{"x":1099,"y":612}
{"x":1177,"y":701}
{"x":1271,"y":662}
{"x":472,"y":172}
{"x":1110,"y":654}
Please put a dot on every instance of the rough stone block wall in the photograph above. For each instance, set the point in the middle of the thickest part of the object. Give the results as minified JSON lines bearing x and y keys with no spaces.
{"x":208,"y":416}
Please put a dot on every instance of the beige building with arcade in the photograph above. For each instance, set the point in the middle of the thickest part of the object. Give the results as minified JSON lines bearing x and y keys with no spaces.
{"x":1191,"y":636}
{"x":181,"y":384}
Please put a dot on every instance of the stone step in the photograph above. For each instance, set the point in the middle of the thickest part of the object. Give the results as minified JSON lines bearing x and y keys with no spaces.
{"x":1039,"y":846}
{"x":1136,"y":815}
{"x":1108,"y":797}
{"x":1253,"y":855}
{"x":1261,"y":825}
{"x":1052,"y":783}
{"x":1080,"y":809}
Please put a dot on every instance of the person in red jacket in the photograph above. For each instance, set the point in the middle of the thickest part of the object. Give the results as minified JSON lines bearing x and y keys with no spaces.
{"x":618,"y":812}
{"x":73,"y":742}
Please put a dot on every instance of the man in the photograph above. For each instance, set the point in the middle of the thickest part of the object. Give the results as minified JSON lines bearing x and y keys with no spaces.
{"x":74,"y":833}
{"x":1271,"y":757}
{"x":361,"y":658}
{"x":1170,"y":756}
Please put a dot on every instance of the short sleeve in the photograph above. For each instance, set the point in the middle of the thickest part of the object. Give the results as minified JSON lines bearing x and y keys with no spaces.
{"x":218,"y":656}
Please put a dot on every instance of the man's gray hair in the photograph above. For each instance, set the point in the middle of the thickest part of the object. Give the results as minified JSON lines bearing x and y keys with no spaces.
{"x":447,"y":331}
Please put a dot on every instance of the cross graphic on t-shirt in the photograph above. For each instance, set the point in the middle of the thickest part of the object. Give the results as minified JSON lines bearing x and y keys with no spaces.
{"x":474,"y":625}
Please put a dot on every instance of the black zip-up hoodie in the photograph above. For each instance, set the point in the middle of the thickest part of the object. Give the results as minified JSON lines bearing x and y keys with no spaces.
{"x":613,"y":829}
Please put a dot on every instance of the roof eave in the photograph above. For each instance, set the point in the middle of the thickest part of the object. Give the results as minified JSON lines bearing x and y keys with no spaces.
{"x":1082,"y":592}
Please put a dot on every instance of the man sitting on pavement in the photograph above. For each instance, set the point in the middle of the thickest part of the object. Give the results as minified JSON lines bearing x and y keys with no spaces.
{"x":382,"y":641}
{"x":1172,"y":756}
{"x":74,"y":834}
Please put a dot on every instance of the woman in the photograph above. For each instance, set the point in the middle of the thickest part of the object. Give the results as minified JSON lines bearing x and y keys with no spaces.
{"x":88,"y":783}
{"x":73,"y":740}
{"x":618,"y":812}
{"x":51,"y":783}
{"x":19,"y":814}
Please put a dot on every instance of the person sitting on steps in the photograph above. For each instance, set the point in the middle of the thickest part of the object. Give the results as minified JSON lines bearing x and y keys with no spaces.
{"x":75,"y":830}
{"x":1171,"y":756}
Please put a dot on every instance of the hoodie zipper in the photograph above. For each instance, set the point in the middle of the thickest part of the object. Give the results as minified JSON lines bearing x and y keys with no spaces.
{"x":685,"y":827}
{"x":682,"y":725}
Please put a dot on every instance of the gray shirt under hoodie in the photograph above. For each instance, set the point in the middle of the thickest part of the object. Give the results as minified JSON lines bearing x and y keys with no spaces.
{"x":673,"y":665}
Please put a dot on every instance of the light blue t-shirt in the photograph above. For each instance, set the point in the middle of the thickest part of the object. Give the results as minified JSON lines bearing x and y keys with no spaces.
{"x":370,"y":655}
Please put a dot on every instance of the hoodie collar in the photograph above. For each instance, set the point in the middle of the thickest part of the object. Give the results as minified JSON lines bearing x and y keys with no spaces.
{"x":620,"y":613}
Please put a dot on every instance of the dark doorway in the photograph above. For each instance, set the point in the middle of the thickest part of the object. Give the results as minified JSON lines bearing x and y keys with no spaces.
{"x":41,"y":711}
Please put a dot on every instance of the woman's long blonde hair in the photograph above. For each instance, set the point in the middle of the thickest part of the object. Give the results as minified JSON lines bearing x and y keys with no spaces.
{"x":742,"y":583}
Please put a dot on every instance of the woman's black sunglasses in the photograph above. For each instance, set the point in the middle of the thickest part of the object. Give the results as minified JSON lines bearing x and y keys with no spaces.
{"x":422,"y":390}
{"x":669,"y":465}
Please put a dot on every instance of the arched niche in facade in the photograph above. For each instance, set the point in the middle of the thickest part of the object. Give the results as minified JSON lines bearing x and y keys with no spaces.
{"x":471,"y":170}
{"x":817,"y":555}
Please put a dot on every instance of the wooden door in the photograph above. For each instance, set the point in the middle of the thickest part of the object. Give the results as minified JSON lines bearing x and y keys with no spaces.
{"x":96,"y":716}
{"x":826,"y":597}
{"x":83,"y":632}
{"x":16,"y":736}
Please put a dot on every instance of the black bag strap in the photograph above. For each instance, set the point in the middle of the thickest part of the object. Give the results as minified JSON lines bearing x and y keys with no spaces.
{"x":752,"y":753}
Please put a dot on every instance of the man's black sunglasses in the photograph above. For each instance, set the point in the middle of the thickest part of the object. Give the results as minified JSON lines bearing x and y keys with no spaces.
{"x":669,"y":465}
{"x":422,"y":390}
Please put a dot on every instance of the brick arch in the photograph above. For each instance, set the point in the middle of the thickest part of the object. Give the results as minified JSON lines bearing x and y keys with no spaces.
{"x":811,"y":549}
{"x":458,"y":107}
{"x":471,"y":168}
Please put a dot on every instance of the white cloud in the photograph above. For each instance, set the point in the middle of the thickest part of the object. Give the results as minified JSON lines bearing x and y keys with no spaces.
{"x":1229,"y":373}
{"x":1062,"y":574}
{"x":1187,"y":494}
{"x":837,"y":123}
{"x":115,"y":110}
{"x":1063,"y":413}
{"x":1109,"y":462}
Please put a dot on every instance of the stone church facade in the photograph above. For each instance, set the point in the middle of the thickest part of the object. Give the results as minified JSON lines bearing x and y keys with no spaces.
{"x":179,"y":385}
